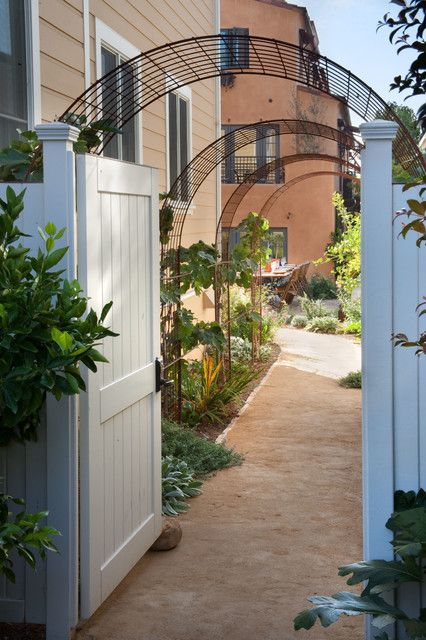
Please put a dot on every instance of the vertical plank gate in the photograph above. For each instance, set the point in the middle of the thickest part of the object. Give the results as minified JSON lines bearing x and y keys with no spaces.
{"x":120,"y":432}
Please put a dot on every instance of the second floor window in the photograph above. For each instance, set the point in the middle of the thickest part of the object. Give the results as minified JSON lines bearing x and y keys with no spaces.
{"x":117,"y":96}
{"x":246,"y":160}
{"x":13,"y":70}
{"x":234,"y":48}
{"x":178,"y":141}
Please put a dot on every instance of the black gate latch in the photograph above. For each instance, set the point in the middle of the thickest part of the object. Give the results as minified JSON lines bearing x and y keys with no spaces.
{"x":159,"y":380}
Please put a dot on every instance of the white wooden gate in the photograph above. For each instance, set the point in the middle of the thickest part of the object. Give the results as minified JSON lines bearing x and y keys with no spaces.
{"x":120,"y":432}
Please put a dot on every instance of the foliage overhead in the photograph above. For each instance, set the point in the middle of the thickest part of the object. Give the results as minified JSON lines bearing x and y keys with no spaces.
{"x":44,"y":332}
{"x":407,"y":32}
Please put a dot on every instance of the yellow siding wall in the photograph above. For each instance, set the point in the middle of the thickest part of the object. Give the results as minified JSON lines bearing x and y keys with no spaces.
{"x":145,"y":24}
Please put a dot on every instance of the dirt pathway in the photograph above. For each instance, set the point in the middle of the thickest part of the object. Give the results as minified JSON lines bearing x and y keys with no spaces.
{"x":263,"y":536}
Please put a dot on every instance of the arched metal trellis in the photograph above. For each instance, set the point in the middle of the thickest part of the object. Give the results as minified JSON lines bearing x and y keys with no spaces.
{"x":191,"y":179}
{"x":222,"y":226}
{"x":278,"y":193}
{"x":235,"y":199}
{"x":194,"y":174}
{"x":125,"y":91}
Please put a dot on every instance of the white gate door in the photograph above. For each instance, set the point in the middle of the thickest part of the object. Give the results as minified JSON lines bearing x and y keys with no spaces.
{"x":120,"y":431}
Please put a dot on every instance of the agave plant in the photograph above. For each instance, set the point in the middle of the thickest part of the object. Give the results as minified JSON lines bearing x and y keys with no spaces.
{"x":178,"y":484}
{"x":408,"y":524}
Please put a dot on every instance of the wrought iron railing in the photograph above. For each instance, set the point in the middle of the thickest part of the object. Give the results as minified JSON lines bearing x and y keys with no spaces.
{"x":236,"y":169}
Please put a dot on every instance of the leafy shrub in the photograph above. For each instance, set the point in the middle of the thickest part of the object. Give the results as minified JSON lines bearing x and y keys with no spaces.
{"x":241,"y":350}
{"x":201,"y":455}
{"x":264,"y":351}
{"x":321,"y":288}
{"x":22,"y":160}
{"x":23,"y":534}
{"x":314,"y":308}
{"x":178,"y":484}
{"x":351,"y":307}
{"x":351,"y":381}
{"x":299,"y":322}
{"x":242,"y":316}
{"x":44,"y":335}
{"x":345,"y":249}
{"x":205,"y":397}
{"x":408,"y":525}
{"x":352,"y":328}
{"x":323,"y":324}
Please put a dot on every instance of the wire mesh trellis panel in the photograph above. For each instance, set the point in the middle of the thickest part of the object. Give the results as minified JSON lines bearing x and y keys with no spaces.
{"x":166,"y":68}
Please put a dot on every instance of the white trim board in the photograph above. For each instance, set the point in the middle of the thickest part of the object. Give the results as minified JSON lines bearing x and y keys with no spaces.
{"x":33,"y":63}
{"x":186,"y":93}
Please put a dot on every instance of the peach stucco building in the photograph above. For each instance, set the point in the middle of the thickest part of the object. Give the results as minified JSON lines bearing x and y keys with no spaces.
{"x":304,"y":217}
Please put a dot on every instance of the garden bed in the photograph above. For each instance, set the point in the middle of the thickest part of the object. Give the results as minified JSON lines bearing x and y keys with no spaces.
{"x":212,"y":431}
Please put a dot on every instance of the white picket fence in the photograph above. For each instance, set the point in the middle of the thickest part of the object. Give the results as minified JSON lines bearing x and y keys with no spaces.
{"x":97,"y":464}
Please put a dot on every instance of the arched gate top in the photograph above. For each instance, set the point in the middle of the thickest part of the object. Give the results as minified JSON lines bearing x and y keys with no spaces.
{"x":125,"y":91}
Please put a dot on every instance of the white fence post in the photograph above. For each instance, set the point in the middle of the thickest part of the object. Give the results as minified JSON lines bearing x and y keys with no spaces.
{"x":62,"y":439}
{"x":377,"y":349}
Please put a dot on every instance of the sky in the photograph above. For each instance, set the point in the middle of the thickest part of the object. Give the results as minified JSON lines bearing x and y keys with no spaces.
{"x":347,"y":35}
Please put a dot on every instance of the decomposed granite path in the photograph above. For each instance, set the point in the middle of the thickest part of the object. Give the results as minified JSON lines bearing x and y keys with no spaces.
{"x":262,"y":536}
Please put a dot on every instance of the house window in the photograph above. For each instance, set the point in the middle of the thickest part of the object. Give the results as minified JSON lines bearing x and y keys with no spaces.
{"x":246,"y":160}
{"x":13,"y":70}
{"x":118,"y":94}
{"x":276,"y":241}
{"x":234,"y":50}
{"x":179,"y":139}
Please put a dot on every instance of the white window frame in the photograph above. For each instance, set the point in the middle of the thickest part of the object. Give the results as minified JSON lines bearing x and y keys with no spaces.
{"x":184,"y":92}
{"x":32,"y":61}
{"x":114,"y":42}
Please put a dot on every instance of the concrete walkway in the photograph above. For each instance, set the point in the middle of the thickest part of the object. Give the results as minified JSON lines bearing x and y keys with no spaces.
{"x":327,"y":355}
{"x":265,"y":535}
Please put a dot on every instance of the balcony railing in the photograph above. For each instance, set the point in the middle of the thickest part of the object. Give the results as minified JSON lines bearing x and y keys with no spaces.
{"x":237,"y":168}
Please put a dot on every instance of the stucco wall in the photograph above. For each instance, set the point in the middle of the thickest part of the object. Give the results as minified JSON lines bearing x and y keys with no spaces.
{"x":259,"y":98}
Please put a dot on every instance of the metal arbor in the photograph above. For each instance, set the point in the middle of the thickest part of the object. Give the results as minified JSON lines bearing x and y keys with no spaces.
{"x":227,"y":218}
{"x":194,"y":174}
{"x":125,"y":91}
{"x":193,"y":177}
{"x":235,"y":199}
{"x":278,"y":193}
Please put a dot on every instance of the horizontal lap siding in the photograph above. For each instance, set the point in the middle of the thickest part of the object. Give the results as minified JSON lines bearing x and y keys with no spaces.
{"x":61,"y":55}
{"x":145,"y":24}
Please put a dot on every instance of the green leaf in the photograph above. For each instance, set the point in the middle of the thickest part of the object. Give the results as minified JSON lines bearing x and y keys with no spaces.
{"x":50,"y":229}
{"x":416,"y":629}
{"x":329,"y":608}
{"x":409,"y":528}
{"x":62,"y":338}
{"x":382,"y":575}
{"x":56,"y":256}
